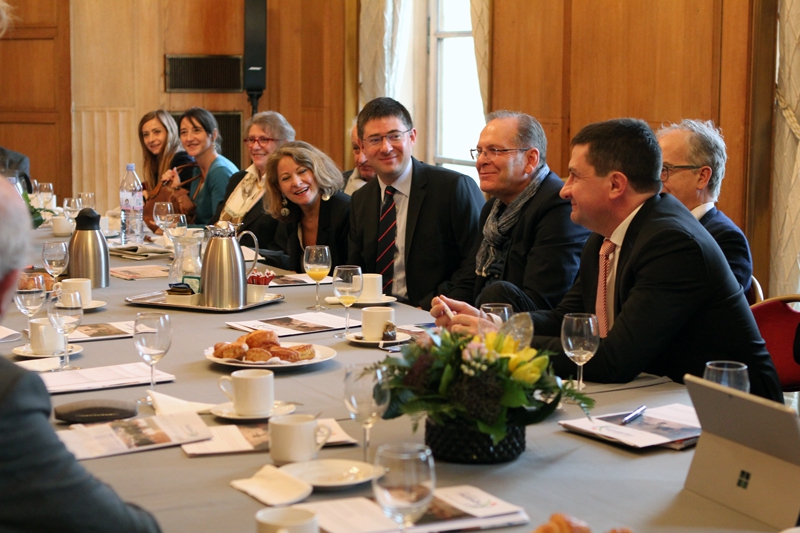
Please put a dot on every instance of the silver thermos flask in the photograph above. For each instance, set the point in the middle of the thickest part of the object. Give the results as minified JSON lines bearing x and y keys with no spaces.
{"x":88,"y":251}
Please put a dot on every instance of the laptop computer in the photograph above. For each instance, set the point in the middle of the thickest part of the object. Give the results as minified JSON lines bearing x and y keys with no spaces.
{"x":748,"y":456}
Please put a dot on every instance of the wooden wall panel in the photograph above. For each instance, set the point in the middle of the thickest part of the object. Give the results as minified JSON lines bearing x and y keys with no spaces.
{"x":34,"y":87}
{"x":35,"y":141}
{"x":203,"y":26}
{"x":36,"y":13}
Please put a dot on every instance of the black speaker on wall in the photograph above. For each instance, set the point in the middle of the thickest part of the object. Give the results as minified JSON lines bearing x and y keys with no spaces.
{"x":255,"y":50}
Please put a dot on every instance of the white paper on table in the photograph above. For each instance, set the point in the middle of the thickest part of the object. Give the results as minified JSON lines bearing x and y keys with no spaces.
{"x":103,"y":377}
{"x":303,"y":323}
{"x":167,"y":405}
{"x":102,"y":331}
{"x":274,"y":487}
{"x":9,"y":335}
{"x":291,"y":280}
{"x":45,"y":364}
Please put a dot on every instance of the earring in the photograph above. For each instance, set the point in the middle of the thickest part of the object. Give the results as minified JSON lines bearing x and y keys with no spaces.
{"x":326,"y":197}
{"x":284,"y":209}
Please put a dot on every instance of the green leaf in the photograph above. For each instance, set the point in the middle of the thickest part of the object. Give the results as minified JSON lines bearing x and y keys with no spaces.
{"x":497,"y":431}
{"x":514,"y":395}
{"x":447,"y":377}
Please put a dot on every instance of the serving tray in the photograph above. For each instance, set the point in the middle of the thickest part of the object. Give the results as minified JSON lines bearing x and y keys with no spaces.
{"x":159,"y":299}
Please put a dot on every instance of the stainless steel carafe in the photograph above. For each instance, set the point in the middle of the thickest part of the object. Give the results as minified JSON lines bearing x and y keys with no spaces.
{"x":223,"y":278}
{"x":88,"y":251}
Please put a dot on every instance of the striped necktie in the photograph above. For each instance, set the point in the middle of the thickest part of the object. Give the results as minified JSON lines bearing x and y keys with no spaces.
{"x":601,"y":305}
{"x":386,"y":240}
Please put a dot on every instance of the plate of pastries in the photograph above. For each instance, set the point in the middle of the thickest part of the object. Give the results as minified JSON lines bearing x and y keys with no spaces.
{"x":262,"y":349}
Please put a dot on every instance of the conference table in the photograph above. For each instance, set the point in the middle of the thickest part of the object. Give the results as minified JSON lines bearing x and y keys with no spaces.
{"x":606,"y":485}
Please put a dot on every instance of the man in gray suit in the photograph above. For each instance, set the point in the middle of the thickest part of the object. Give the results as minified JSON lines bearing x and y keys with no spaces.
{"x":42,"y":486}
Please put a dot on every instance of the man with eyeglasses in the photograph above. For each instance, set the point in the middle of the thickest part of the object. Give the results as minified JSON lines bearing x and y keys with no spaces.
{"x":529,"y":251}
{"x":694,"y":159}
{"x":416,"y":223}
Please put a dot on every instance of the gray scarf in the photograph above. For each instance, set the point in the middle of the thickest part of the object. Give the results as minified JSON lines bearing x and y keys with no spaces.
{"x":498,"y":227}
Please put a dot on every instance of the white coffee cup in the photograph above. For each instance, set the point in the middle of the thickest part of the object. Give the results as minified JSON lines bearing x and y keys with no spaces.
{"x":373,"y":321}
{"x":62,"y":227}
{"x":81,"y":285}
{"x":286,"y":520}
{"x":296,"y":438}
{"x":44,"y":337}
{"x":251,"y":391}
{"x":372,"y":288}
{"x":256,"y":293}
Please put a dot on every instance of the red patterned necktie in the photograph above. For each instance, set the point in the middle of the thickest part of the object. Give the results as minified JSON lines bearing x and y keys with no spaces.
{"x":601,"y":305}
{"x":386,"y":240}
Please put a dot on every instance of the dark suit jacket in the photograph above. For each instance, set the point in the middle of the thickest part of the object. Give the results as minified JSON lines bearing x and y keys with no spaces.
{"x":42,"y":486}
{"x":543,"y":252}
{"x":676,"y":305}
{"x":333,"y":231}
{"x":443,"y":211}
{"x":256,"y":220}
{"x":733,"y":244}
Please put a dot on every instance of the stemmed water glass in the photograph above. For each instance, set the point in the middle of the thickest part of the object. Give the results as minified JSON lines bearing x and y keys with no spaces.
{"x":152,"y":335}
{"x":501,"y":311}
{"x":729,"y":374}
{"x":175,"y":226}
{"x":347,"y":286}
{"x":317,"y":264}
{"x":45,"y":193}
{"x":55,"y":256}
{"x":406,"y":488}
{"x":87,"y":199}
{"x":65,"y":312}
{"x":30,"y":295}
{"x":160,"y":212}
{"x":72,"y":206}
{"x":366,"y":396}
{"x":580,"y":337}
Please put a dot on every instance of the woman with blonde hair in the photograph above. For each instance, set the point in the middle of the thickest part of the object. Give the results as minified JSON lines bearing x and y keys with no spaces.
{"x":161,"y":149}
{"x":304,"y":192}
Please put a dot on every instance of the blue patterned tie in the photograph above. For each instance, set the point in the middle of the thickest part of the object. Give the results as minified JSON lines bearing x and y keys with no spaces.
{"x":386,"y":240}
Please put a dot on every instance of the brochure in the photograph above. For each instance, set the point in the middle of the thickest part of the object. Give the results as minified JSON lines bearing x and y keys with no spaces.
{"x":103,"y":377}
{"x":133,"y":435}
{"x":292,"y":280}
{"x":673,"y":426}
{"x":285,"y":326}
{"x":453,"y":508}
{"x":254,"y":438}
{"x":9,"y":335}
{"x":140,"y":272}
{"x":102,"y":332}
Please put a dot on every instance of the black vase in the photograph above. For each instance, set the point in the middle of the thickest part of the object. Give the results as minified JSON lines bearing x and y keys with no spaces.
{"x":456,"y":443}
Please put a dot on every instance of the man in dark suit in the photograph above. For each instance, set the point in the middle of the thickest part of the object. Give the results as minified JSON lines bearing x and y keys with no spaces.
{"x":694,"y":157}
{"x":11,"y":160}
{"x":665,"y":297}
{"x":42,"y":486}
{"x":416,"y":223}
{"x":363,"y":173}
{"x":529,"y":250}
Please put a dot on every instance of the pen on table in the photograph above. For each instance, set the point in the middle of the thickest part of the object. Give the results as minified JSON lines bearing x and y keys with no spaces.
{"x":634,"y":415}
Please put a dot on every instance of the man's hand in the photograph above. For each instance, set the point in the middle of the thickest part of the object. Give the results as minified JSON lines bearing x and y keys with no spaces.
{"x":463,"y":318}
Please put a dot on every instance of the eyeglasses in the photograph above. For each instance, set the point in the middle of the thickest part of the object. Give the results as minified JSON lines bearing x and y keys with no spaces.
{"x":666,"y":169}
{"x":250,"y":141}
{"x":395,"y":137}
{"x":491,"y":153}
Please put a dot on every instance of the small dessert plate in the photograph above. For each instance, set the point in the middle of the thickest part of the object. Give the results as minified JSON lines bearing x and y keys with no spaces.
{"x":358,"y":339}
{"x":333,"y":473}
{"x":226,"y":410}
{"x":94,"y":304}
{"x":26,"y":351}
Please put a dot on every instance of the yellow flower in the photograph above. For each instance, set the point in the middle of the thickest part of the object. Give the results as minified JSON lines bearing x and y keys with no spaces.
{"x":527,"y":373}
{"x":521,"y":357}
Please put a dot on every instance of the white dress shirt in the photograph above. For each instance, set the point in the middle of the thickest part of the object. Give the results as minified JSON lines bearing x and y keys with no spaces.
{"x":701,"y":210}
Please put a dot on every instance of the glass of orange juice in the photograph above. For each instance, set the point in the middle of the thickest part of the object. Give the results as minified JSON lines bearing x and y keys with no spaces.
{"x":317,"y":263}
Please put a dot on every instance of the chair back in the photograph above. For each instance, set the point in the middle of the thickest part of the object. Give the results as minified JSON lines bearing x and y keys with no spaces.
{"x":754,"y":294}
{"x":779,"y":325}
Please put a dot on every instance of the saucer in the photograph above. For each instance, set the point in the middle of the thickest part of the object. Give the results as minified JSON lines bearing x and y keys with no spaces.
{"x":25,"y":351}
{"x":226,"y":410}
{"x":94,"y":304}
{"x":333,"y":473}
{"x":385,"y":299}
{"x":358,"y":339}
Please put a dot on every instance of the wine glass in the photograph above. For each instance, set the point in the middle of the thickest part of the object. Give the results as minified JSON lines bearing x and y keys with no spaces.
{"x":175,"y":226}
{"x":72,"y":206}
{"x":317,"y":264}
{"x":45,"y":193}
{"x":728,"y":374}
{"x":160,"y":212}
{"x":580,"y":337}
{"x":30,"y":295}
{"x":152,"y":335}
{"x":405,"y":490}
{"x":366,"y":396}
{"x":347,"y":286}
{"x":34,"y":191}
{"x":65,"y":312}
{"x":87,"y":199}
{"x":501,"y":311}
{"x":55,"y":256}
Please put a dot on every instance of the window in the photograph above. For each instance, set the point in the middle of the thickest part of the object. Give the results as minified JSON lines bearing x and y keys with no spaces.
{"x":455,"y":111}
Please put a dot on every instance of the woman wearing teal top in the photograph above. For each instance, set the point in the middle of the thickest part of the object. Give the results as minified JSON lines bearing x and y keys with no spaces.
{"x":201,"y":140}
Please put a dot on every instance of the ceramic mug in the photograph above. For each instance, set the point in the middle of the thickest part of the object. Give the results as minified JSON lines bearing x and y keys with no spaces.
{"x":256,"y":293}
{"x":296,"y":438}
{"x":286,"y":520}
{"x":80,"y":285}
{"x":373,"y":321}
{"x":251,"y":391}
{"x":44,"y":338}
{"x":372,"y":288}
{"x":62,"y":227}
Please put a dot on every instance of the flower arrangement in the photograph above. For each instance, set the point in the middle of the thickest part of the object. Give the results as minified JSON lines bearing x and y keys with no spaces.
{"x":36,"y":212}
{"x":487,"y":383}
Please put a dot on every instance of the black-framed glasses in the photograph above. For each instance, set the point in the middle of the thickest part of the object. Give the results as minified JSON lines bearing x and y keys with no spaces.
{"x":666,"y":169}
{"x":263,"y":141}
{"x":395,"y":137}
{"x":491,"y":153}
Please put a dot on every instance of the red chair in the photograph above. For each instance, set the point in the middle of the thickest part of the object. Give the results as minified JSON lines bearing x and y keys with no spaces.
{"x":780,"y":327}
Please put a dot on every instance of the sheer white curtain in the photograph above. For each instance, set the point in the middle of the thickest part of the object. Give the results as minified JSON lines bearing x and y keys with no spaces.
{"x":385,"y":27}
{"x":480,"y":10}
{"x":785,"y":239}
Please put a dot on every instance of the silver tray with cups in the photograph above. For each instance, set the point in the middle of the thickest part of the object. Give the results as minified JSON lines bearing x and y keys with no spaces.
{"x":159,"y":299}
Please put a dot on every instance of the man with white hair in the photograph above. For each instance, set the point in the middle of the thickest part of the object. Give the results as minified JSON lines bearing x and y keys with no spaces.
{"x":42,"y":486}
{"x":694,"y":159}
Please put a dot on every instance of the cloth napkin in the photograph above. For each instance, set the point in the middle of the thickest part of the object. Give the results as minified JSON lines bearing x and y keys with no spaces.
{"x":137,"y":252}
{"x":167,"y":405}
{"x":9,"y":335}
{"x":274,"y":487}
